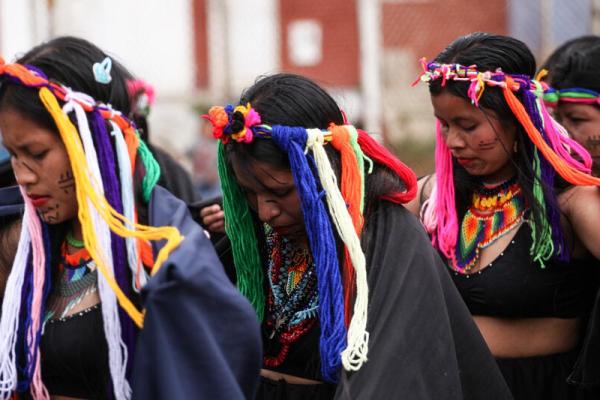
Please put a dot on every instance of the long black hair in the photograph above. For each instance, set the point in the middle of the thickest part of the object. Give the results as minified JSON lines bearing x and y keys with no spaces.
{"x":575,"y":64}
{"x":490,"y":52}
{"x":294,"y":100}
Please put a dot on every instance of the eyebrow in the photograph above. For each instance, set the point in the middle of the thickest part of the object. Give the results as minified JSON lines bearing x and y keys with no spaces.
{"x":26,"y":145}
{"x":457,"y":119}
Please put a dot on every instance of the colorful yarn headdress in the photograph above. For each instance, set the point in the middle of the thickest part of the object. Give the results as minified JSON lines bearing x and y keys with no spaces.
{"x":577,"y":95}
{"x":103,"y":148}
{"x":553,"y":152}
{"x":345,"y":202}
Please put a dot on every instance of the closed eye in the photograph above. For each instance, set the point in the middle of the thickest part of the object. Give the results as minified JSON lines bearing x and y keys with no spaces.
{"x":40,"y":156}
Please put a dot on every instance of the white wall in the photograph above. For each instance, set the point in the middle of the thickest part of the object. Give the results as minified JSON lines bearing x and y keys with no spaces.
{"x":153,"y":39}
{"x":253,"y":41}
{"x":22,"y":25}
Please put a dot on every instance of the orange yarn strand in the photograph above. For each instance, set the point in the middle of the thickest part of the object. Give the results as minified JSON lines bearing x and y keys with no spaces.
{"x":351,"y":190}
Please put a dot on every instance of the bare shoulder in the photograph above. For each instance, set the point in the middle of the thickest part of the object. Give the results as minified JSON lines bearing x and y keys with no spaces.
{"x":579,"y":199}
{"x":581,"y":206}
{"x":425,"y":187}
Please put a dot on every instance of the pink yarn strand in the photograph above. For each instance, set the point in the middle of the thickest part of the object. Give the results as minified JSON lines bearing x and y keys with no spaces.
{"x":38,"y":390}
{"x":445,"y":210}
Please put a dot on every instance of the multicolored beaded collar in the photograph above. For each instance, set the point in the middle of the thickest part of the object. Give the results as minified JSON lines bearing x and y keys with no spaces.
{"x":293,"y":300}
{"x":493,"y":213}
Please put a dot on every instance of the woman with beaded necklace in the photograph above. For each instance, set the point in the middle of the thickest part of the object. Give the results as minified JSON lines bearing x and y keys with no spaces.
{"x":354,"y":301}
{"x":520,"y":245}
{"x":99,"y":241}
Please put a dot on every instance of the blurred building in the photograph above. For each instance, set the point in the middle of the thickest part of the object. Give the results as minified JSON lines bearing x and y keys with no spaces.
{"x":201,"y":52}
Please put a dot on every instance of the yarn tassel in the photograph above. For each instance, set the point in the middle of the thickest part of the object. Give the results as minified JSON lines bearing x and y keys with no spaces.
{"x":11,"y":310}
{"x":444,"y":227}
{"x":240,"y":230}
{"x":322,"y":244}
{"x":355,"y":353}
{"x":383,"y":156}
{"x":139,"y":276}
{"x":37,"y":388}
{"x":352,"y":192}
{"x":547,"y":175}
{"x":108,"y":167}
{"x":116,"y":221}
{"x":117,"y":350}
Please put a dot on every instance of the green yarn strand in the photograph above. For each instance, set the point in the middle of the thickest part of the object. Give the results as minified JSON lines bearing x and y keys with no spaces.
{"x":240,"y":230}
{"x":542,"y":246}
{"x":152,"y":169}
{"x":360,"y":157}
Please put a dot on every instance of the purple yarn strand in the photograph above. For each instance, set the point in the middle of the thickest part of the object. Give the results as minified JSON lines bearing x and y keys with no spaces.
{"x":108,"y":168}
{"x":548,"y":175}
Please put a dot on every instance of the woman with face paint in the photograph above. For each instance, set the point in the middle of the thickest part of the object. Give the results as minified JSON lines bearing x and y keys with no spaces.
{"x":354,"y":302}
{"x":520,"y":245}
{"x":575,"y":92}
{"x":103,"y":250}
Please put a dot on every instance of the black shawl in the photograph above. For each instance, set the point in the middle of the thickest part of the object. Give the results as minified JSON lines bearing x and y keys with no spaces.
{"x":423,"y":341}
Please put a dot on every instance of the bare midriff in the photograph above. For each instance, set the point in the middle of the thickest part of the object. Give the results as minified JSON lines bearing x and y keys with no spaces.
{"x":277,"y":376}
{"x":528,"y":337}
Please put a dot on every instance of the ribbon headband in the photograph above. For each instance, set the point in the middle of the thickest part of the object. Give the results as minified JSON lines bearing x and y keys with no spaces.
{"x":571,"y":95}
{"x":243,"y":124}
{"x":433,"y":71}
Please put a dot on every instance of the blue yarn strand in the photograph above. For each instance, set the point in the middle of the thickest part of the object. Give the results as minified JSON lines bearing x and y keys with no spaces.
{"x":323,"y":246}
{"x":22,"y":354}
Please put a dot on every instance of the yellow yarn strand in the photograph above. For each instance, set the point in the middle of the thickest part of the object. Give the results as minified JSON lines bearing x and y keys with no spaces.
{"x":116,"y":222}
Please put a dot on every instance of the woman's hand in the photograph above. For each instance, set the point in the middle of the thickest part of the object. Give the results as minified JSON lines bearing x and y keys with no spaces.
{"x":213,"y":218}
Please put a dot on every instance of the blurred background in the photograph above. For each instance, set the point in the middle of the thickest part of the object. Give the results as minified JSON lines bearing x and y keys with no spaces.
{"x":197,"y":53}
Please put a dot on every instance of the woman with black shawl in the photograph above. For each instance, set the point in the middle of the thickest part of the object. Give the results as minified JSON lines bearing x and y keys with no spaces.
{"x":354,"y":301}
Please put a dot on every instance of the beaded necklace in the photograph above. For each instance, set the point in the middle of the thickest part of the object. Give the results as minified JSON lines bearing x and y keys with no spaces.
{"x":292,"y":300}
{"x":77,"y":278}
{"x":493,"y":212}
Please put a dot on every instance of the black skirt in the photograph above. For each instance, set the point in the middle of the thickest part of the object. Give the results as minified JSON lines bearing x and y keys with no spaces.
{"x":544,"y":377}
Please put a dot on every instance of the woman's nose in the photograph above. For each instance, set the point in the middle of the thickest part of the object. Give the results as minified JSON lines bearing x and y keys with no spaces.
{"x":24,"y":175}
{"x":267,"y":209}
{"x":454,"y":139}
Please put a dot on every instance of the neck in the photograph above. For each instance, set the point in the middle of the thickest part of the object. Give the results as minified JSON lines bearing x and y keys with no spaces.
{"x":491,"y":183}
{"x":76,"y":231}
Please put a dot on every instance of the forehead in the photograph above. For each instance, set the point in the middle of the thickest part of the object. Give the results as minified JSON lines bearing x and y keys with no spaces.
{"x":261,"y":174}
{"x":451,"y":107}
{"x":18,"y":131}
{"x":570,"y":108}
{"x":447,"y":103}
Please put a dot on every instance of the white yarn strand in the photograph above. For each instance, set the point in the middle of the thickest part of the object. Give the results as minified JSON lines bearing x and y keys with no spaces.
{"x":11,"y":308}
{"x":355,"y":354}
{"x":128,"y":205}
{"x":117,"y":351}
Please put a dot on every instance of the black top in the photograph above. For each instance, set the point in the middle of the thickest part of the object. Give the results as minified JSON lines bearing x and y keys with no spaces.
{"x":75,"y":356}
{"x":515,"y":287}
{"x":302,"y":358}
